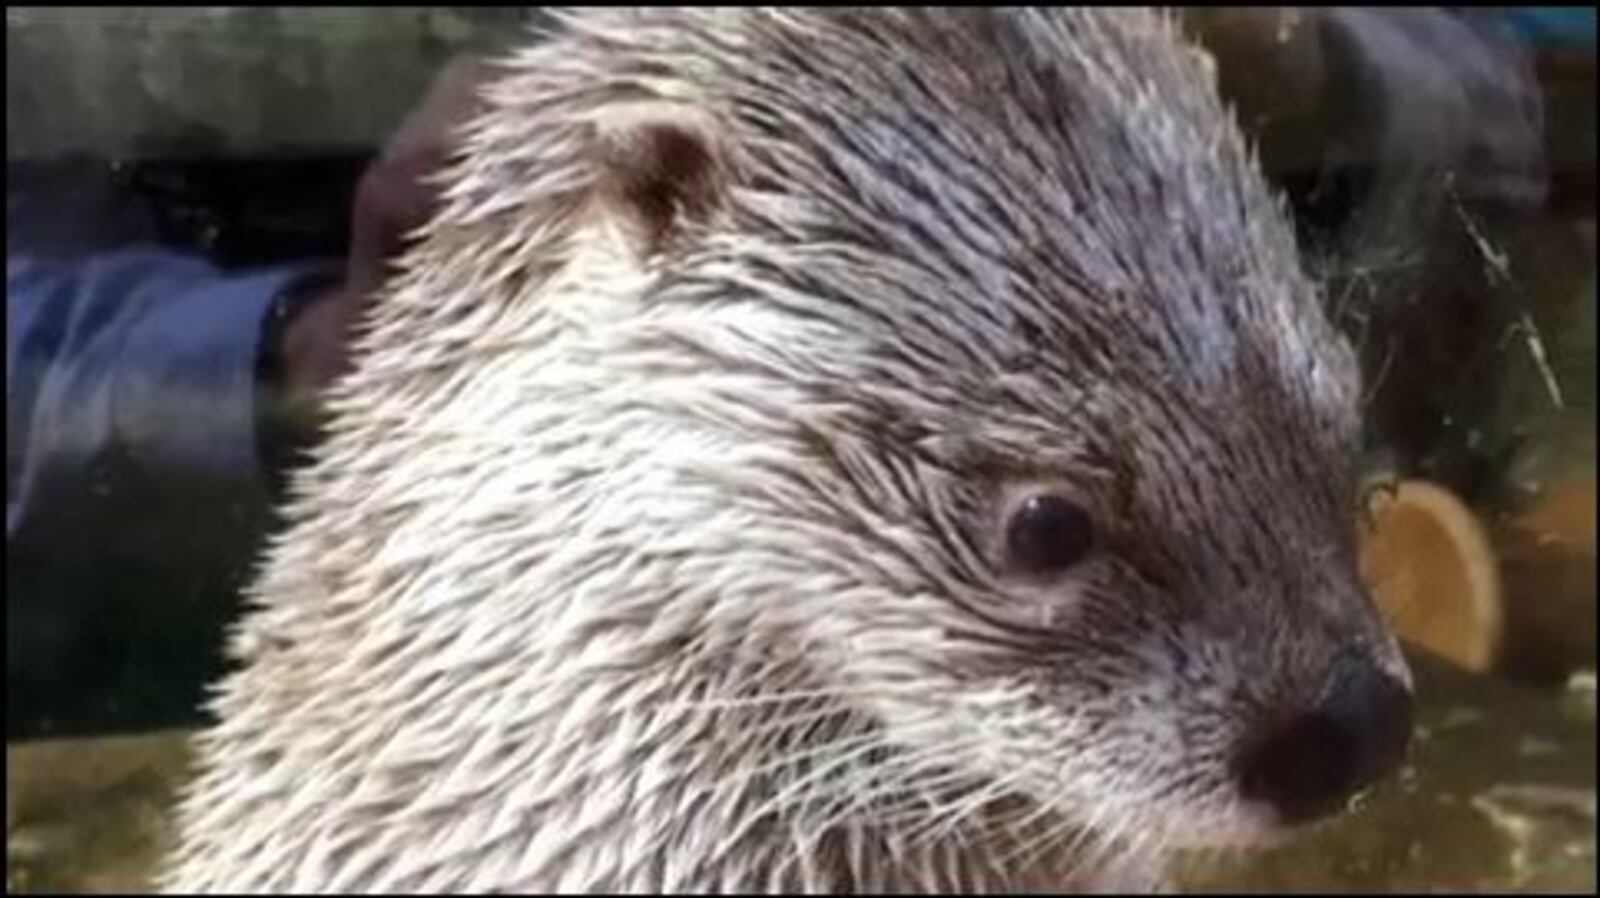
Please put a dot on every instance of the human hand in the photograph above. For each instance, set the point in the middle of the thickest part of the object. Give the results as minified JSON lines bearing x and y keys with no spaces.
{"x":392,"y":199}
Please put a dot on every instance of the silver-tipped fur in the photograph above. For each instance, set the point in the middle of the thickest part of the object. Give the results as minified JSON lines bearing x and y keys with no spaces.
{"x":654,"y":547}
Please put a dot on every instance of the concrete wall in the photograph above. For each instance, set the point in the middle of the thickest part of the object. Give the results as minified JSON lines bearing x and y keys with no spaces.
{"x":242,"y":81}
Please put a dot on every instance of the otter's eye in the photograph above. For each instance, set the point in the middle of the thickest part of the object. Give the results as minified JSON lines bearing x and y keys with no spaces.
{"x":1048,"y":534}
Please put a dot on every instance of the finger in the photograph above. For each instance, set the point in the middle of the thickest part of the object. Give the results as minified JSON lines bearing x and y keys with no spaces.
{"x":393,"y":197}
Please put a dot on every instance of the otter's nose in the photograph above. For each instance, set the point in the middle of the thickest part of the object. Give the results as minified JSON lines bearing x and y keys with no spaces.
{"x":1355,"y":733}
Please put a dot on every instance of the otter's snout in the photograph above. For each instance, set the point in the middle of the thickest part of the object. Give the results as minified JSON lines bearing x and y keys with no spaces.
{"x":1356,"y":732}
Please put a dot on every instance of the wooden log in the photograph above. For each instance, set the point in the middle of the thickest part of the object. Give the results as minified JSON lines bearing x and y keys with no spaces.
{"x":1433,"y":573}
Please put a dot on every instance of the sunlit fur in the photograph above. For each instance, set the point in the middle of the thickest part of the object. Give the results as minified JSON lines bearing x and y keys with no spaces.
{"x":680,"y":568}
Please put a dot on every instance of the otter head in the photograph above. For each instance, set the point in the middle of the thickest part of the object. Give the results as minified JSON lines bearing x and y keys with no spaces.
{"x":973,"y":395}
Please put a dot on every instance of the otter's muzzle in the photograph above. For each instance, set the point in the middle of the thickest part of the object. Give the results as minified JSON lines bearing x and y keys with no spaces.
{"x":1356,"y":732}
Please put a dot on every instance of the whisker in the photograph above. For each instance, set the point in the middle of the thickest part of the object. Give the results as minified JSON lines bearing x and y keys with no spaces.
{"x":864,"y":745}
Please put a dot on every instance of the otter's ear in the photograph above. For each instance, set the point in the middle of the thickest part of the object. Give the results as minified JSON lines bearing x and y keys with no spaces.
{"x":664,"y":168}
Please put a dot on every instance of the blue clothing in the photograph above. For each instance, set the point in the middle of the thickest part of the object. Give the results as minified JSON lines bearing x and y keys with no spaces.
{"x":1552,"y":27}
{"x":135,"y":365}
{"x":131,"y":469}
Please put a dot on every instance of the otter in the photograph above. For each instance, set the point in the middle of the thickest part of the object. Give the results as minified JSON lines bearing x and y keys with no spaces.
{"x":817,"y":450}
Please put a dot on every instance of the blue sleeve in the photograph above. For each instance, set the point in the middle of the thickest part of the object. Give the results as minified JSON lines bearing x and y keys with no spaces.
{"x":130,"y":371}
{"x":135,"y":501}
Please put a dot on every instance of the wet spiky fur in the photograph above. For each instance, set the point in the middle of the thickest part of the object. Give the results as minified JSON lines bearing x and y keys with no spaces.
{"x":641,"y":566}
